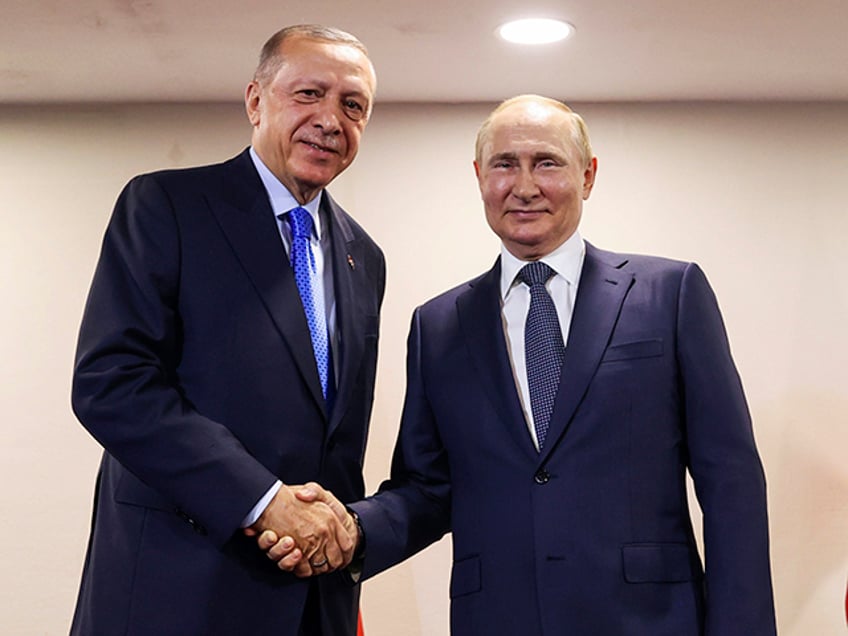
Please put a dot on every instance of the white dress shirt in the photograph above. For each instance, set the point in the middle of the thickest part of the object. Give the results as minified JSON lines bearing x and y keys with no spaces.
{"x":567,"y":263}
{"x":281,"y":202}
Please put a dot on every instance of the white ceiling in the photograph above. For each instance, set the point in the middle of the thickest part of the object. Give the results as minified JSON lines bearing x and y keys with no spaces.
{"x":436,"y":50}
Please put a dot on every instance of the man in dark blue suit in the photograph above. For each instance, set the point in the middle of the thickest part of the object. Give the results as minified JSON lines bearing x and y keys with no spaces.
{"x":553,"y":407}
{"x":200,"y":368}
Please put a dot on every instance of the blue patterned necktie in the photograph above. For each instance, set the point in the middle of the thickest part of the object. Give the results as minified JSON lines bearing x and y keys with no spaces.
{"x":303,"y":264}
{"x":544,"y":349}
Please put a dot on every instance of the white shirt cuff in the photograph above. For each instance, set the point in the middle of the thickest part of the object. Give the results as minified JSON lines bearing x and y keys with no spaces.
{"x":260,"y":506}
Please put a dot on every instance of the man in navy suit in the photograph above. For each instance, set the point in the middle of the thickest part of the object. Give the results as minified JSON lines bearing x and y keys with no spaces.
{"x":562,"y":479}
{"x":197,"y":372}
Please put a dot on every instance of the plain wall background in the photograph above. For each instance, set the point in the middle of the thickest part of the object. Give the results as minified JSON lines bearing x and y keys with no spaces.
{"x":754,"y":192}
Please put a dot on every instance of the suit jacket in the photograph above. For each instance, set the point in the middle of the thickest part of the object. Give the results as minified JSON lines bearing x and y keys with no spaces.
{"x":592,"y":535}
{"x":195,"y":372}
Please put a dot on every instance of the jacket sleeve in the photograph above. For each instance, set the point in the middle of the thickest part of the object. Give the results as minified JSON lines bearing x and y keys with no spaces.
{"x":126,"y":389}
{"x":726,"y":469}
{"x":411,"y":510}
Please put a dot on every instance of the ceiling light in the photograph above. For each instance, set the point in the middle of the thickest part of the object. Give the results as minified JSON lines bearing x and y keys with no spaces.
{"x":535,"y":31}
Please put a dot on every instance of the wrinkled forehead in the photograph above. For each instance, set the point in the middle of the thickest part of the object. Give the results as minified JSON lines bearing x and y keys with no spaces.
{"x":343,"y":59}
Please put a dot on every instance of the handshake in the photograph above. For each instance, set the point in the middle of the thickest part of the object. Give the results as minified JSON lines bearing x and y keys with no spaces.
{"x":306,"y":530}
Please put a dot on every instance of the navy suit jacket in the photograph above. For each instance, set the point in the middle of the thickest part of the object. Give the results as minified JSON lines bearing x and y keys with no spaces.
{"x":591,"y":536}
{"x":195,"y":372}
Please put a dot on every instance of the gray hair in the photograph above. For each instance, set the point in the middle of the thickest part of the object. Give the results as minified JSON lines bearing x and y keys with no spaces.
{"x":270,"y":58}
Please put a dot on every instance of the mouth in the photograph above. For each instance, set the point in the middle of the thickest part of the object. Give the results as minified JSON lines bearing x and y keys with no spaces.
{"x":525,"y":214}
{"x":320,"y":148}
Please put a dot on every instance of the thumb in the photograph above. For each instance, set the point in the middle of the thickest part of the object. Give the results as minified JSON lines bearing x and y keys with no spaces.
{"x":308,"y":493}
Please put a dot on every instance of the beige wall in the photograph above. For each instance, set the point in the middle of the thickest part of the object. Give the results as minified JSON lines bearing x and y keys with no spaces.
{"x":754,"y":192}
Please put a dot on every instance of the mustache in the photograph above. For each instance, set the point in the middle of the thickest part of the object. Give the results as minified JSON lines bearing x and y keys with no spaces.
{"x":328,"y":143}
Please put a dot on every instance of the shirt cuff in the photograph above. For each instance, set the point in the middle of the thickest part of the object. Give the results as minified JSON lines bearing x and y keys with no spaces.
{"x":260,"y":506}
{"x":356,"y":566}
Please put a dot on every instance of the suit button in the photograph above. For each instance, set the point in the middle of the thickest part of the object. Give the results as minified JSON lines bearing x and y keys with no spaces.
{"x":542,"y":477}
{"x":199,"y":529}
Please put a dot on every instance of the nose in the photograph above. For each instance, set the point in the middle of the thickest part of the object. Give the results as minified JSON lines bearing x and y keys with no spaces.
{"x":525,"y":187}
{"x":327,"y":118}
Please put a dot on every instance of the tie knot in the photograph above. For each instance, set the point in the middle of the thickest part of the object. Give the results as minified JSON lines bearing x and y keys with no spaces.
{"x":301,"y":222}
{"x":535,"y":273}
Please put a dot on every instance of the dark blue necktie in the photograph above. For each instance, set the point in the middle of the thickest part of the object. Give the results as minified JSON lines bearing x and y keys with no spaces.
{"x":303,"y":264}
{"x":544,"y":349}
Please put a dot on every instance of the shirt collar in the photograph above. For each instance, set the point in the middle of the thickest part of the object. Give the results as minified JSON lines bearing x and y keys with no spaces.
{"x":281,"y":199}
{"x":566,"y":261}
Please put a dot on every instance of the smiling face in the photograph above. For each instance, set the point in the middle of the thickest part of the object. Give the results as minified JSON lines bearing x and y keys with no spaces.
{"x":533,"y":178}
{"x":309,"y":115}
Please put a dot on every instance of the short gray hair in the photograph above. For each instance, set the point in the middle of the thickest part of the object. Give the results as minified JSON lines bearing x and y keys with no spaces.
{"x":270,"y":58}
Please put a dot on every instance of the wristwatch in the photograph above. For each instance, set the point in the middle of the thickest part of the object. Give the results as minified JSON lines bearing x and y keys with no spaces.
{"x":354,"y":570}
{"x":359,"y":552}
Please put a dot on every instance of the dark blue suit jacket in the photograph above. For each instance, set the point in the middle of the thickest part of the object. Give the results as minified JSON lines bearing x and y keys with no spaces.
{"x":195,"y":372}
{"x":592,"y":536}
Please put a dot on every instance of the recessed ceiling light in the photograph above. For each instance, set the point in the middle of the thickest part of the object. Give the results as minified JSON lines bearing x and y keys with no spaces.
{"x":535,"y":31}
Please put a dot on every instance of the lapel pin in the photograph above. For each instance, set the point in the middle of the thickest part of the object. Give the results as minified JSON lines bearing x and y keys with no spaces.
{"x":350,"y":262}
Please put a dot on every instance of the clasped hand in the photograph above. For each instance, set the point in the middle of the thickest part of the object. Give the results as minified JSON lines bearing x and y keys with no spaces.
{"x":306,"y":530}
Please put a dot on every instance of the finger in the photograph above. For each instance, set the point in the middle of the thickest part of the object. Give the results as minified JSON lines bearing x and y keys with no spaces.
{"x":321,"y":567}
{"x":313,"y":551}
{"x":303,"y":570}
{"x":269,"y":538}
{"x":337,"y":507}
{"x":320,"y":563}
{"x":347,"y":553}
{"x":309,"y":492}
{"x":334,"y":555}
{"x":290,"y":561}
{"x":339,"y":546}
{"x":282,"y":548}
{"x":346,"y":534}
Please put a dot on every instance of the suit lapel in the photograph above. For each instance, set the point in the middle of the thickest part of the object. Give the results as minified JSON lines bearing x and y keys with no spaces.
{"x":247,"y":220}
{"x":603,"y":288}
{"x":350,"y":285}
{"x":480,"y":319}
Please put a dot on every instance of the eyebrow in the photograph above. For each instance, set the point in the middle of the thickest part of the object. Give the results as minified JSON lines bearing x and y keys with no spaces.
{"x":326,"y":85}
{"x":357,"y":93}
{"x":538,"y":156}
{"x":503,"y":155}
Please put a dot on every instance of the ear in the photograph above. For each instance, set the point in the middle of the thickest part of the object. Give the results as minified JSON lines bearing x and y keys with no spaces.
{"x":251,"y":102}
{"x":479,"y":175}
{"x":589,"y":177}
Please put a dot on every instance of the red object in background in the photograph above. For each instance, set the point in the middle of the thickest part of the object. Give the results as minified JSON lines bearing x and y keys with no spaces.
{"x":361,"y":632}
